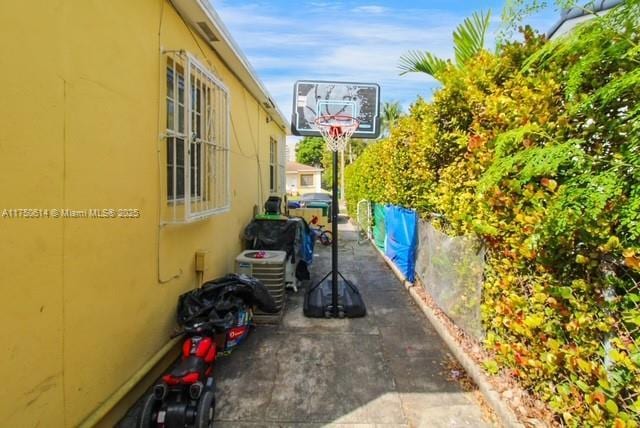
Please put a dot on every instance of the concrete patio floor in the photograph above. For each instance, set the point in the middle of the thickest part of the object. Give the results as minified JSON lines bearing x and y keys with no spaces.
{"x":384,"y":370}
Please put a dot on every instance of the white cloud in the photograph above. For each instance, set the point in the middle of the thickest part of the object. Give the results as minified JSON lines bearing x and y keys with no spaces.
{"x":371,"y":9}
{"x":361,"y":43}
{"x":249,"y":14}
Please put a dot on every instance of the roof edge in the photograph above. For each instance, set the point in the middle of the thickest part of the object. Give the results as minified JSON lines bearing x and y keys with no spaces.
{"x":578,"y":12}
{"x":233,"y":57}
{"x":306,"y":168}
{"x":293,"y":171}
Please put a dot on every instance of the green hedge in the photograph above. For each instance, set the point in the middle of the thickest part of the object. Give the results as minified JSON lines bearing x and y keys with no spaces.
{"x":536,"y":150}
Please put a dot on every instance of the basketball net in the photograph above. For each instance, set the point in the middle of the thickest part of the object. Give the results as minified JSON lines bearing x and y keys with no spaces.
{"x":336,"y":129}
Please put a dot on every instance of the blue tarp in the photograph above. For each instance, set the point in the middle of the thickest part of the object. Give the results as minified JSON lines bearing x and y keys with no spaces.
{"x":308,"y":239}
{"x":402,"y":238}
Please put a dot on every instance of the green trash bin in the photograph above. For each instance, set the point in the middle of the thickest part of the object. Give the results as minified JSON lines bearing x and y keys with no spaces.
{"x":379,"y":228}
{"x":326,"y":209}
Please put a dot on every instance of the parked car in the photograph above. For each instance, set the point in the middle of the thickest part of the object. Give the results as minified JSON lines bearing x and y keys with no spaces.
{"x":293,"y":204}
{"x":317,"y":197}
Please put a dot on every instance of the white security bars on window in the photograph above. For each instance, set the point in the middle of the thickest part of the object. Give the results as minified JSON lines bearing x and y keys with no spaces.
{"x":197,"y":141}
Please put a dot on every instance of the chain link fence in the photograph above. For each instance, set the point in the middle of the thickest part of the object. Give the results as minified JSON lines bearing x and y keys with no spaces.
{"x":364,"y":220}
{"x":451,"y":270}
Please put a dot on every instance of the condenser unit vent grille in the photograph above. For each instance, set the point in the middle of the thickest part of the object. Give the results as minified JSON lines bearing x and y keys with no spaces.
{"x":270,"y":270}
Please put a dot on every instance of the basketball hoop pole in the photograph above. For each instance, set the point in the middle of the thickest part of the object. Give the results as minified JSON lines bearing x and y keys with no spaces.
{"x":345,"y":300}
{"x":335,"y":132}
{"x":335,"y":210}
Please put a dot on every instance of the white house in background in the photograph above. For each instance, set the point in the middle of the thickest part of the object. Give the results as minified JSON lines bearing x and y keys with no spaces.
{"x":303,"y":179}
{"x":574,"y":16}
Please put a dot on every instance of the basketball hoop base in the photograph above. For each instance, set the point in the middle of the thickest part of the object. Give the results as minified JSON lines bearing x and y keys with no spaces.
{"x":318,"y":300}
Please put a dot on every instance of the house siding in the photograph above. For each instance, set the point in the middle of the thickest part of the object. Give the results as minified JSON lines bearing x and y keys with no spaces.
{"x":87,"y":302}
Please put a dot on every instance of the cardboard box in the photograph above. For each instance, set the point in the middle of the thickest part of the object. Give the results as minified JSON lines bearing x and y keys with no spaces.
{"x":308,"y":214}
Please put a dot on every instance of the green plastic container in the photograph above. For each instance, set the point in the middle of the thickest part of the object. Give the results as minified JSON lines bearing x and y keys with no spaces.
{"x":271,"y":217}
{"x":379,"y":229}
{"x":323,"y":205}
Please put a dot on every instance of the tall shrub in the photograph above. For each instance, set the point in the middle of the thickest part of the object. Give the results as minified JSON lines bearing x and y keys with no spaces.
{"x":536,"y":150}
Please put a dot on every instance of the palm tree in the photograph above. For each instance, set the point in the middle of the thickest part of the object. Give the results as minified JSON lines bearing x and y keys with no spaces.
{"x":391,"y":112}
{"x":468,"y":40}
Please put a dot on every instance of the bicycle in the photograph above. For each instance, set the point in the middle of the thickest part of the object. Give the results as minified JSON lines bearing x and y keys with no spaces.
{"x":325,"y":237}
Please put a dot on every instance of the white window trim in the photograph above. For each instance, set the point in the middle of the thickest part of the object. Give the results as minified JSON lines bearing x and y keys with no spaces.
{"x":191,"y":63}
{"x":191,"y":60}
{"x":313,"y":180}
{"x":273,"y":165}
{"x":282,"y":155}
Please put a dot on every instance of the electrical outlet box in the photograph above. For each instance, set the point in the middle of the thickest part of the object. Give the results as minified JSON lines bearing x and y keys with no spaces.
{"x":201,"y":260}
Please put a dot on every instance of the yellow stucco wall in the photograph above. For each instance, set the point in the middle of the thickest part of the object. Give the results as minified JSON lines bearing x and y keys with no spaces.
{"x":85,"y":302}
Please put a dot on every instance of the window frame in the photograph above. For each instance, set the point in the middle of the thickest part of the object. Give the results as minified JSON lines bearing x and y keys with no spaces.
{"x":206,"y":156}
{"x":273,"y":165}
{"x":313,"y":180}
{"x":175,"y":130}
{"x":282,"y":182}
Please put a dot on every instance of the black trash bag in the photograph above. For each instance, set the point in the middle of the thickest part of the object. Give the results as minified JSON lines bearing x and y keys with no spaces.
{"x":302,"y":271}
{"x":271,"y":235}
{"x":292,"y":236}
{"x":217,"y":297}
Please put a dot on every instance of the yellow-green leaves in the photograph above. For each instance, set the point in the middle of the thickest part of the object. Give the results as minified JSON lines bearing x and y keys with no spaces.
{"x":543,"y":165}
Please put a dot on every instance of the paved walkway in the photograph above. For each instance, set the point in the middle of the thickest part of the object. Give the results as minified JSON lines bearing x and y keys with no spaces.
{"x":384,"y":370}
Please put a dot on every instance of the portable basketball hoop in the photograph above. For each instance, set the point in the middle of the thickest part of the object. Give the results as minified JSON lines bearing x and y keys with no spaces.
{"x":336,"y":129}
{"x":336,"y":111}
{"x":335,"y":296}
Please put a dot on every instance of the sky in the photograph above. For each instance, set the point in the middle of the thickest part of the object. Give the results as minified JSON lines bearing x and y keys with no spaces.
{"x":351,"y":40}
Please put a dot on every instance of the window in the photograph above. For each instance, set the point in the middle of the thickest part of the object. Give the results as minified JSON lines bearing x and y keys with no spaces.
{"x":282,"y":160}
{"x":273,"y":165}
{"x":175,"y":130}
{"x":197,"y":141}
{"x":306,"y":180}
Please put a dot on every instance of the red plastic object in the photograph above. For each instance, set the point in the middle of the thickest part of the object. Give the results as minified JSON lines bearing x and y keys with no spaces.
{"x":170,"y":380}
{"x":211,"y":355}
{"x":191,"y":378}
{"x":236,"y":332}
{"x":203,"y":347}
{"x":186,"y":348}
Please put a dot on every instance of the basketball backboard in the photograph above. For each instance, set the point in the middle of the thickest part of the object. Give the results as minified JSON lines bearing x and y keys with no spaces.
{"x":312,"y":98}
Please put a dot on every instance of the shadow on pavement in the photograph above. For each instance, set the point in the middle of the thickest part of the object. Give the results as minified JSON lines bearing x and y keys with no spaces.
{"x":386,"y":369}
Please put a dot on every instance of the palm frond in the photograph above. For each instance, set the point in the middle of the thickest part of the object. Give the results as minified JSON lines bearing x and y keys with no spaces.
{"x":391,"y":112}
{"x":469,"y":37}
{"x":421,"y":62}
